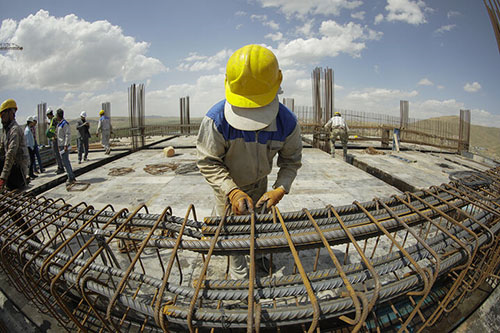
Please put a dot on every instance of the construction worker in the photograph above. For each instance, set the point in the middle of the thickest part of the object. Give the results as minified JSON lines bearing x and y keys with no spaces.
{"x":239,"y":137}
{"x":64,"y":144}
{"x":82,"y":139}
{"x":104,"y":126}
{"x":52,"y":136}
{"x":13,"y":152}
{"x":13,"y":162}
{"x":338,"y":129}
{"x":40,"y":168}
{"x":30,"y":144}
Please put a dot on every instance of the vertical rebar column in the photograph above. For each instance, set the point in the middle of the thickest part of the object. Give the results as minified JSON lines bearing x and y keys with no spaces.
{"x":42,"y":124}
{"x":464,"y":131}
{"x":289,"y":103}
{"x":188,"y":116}
{"x":184,"y":114}
{"x":106,"y":106}
{"x":403,"y":114}
{"x":141,"y":111}
{"x":316,"y":95}
{"x":131,"y":115}
{"x":328,"y":94}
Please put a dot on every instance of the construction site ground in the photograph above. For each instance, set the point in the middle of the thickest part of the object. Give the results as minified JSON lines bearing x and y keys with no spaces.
{"x":147,"y":177}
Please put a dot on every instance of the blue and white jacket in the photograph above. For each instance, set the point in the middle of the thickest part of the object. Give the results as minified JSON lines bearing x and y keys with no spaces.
{"x":229,"y":158}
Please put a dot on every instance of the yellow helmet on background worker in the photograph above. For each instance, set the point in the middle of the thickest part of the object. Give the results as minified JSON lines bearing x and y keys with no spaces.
{"x":101,"y":113}
{"x":253,"y":79}
{"x":8,"y":104}
{"x":337,"y":113}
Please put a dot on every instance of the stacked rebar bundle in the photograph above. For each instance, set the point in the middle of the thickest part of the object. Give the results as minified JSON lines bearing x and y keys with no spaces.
{"x":410,"y":257}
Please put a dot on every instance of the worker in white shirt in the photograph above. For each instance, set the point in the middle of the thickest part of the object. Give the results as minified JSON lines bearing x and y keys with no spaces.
{"x":338,"y":129}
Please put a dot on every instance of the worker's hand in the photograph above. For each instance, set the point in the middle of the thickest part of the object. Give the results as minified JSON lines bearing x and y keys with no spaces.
{"x":97,"y":135}
{"x":271,"y":197}
{"x":241,"y":203}
{"x":65,"y":148}
{"x":2,"y":183}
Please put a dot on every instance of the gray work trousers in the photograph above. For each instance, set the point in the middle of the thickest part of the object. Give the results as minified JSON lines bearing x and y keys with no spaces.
{"x":340,"y":133}
{"x":105,"y":136}
{"x":83,"y":148}
{"x":238,"y":268}
{"x":55,"y":149}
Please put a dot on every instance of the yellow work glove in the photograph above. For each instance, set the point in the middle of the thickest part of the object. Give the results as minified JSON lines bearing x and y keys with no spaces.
{"x":272,"y":197}
{"x":241,"y":203}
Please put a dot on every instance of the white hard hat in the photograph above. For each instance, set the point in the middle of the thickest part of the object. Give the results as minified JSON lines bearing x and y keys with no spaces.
{"x":83,"y":114}
{"x":30,"y":119}
{"x":35,"y":118}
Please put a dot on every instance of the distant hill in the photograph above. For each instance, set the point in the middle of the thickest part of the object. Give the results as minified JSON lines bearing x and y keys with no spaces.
{"x":483,"y":141}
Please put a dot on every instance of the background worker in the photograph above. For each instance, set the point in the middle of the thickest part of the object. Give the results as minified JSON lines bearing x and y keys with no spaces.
{"x":82,"y":139}
{"x":30,"y":144}
{"x":40,"y":168}
{"x":239,"y":137}
{"x":338,"y":129}
{"x":64,"y":144}
{"x":13,"y":153}
{"x":52,"y":136}
{"x":104,"y":126}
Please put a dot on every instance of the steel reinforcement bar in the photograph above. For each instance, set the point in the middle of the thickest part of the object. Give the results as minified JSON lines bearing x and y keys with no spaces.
{"x":410,"y":258}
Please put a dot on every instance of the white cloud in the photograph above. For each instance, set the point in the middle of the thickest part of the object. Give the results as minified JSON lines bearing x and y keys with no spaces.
{"x":358,"y":15}
{"x":240,"y":13}
{"x":265,"y":22}
{"x":349,"y":38}
{"x":277,"y":36}
{"x":63,"y":54}
{"x":472,"y":87}
{"x":425,"y":82}
{"x":8,"y":29}
{"x":376,"y":69}
{"x":378,"y":19}
{"x":306,"y":29}
{"x":239,"y":26}
{"x":301,"y":8}
{"x":195,"y":62}
{"x":445,"y":28}
{"x":440,"y":87}
{"x":453,"y":13}
{"x":408,"y":11}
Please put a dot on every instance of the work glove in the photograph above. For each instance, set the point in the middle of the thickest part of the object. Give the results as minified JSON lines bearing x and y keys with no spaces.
{"x":241,"y":203}
{"x":271,"y":197}
{"x":2,"y":183}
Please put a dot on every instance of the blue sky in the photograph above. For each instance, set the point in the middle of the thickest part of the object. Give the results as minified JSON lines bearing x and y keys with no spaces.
{"x":440,"y":55}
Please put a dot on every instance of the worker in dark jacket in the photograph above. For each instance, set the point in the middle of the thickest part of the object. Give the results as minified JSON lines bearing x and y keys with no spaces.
{"x":82,"y":138}
{"x":52,"y":136}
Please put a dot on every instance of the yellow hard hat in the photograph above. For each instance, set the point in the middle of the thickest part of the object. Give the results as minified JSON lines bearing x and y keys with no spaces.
{"x":101,"y":112}
{"x":253,"y":77}
{"x":337,"y":113}
{"x":8,"y":104}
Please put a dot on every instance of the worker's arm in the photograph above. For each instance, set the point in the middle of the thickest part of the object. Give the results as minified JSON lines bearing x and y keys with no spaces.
{"x":12,"y":146}
{"x":328,"y":124}
{"x":67,"y":136}
{"x":289,"y":160}
{"x":211,"y":148}
{"x":98,"y":127}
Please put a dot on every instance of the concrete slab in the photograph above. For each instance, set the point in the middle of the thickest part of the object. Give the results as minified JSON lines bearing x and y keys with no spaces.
{"x":321,"y":181}
{"x":417,"y":169}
